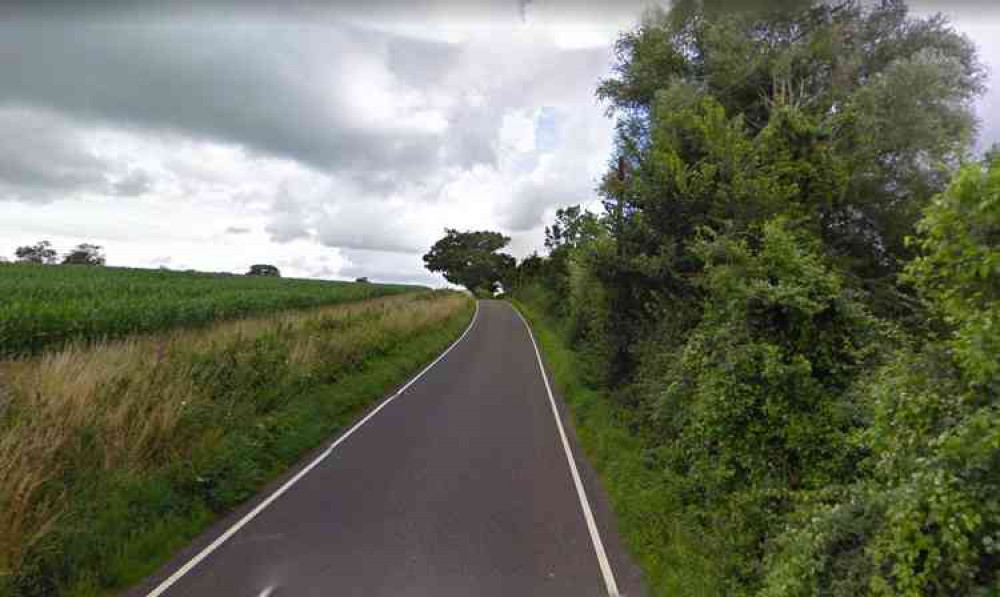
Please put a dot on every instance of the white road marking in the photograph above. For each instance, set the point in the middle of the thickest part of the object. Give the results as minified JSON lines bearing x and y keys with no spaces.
{"x":180,"y":572}
{"x":588,"y":514}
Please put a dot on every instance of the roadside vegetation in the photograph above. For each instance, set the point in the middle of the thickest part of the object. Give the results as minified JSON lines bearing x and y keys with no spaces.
{"x":46,"y":306}
{"x":781,"y":339}
{"x":115,"y":454}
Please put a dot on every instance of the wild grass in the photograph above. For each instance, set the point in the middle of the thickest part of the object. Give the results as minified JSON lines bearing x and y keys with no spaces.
{"x":114,"y":454}
{"x":46,"y":306}
{"x":675,"y":560}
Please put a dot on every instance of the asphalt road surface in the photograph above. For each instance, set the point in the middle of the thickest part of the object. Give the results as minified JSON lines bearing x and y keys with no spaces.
{"x":458,"y":486}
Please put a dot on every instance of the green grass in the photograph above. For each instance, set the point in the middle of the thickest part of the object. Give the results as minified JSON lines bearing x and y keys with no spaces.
{"x":675,"y":560}
{"x":161,"y":435}
{"x":45,"y":306}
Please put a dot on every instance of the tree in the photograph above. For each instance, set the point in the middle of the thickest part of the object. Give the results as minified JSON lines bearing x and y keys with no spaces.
{"x":472,"y":259}
{"x":85,"y":254}
{"x":263,"y":269}
{"x":573,"y":225}
{"x":845,"y":117}
{"x":40,"y":252}
{"x":362,"y":280}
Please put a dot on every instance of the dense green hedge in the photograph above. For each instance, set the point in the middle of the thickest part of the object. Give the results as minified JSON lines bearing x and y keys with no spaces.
{"x":794,"y":296}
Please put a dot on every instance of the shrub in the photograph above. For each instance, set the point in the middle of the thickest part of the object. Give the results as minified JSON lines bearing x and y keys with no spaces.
{"x":753,"y":408}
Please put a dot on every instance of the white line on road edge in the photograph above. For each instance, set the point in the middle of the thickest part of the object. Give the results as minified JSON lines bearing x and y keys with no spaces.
{"x":173,"y":578}
{"x":595,"y":537}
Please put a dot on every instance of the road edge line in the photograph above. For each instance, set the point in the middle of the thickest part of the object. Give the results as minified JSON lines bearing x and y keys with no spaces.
{"x":588,"y":514}
{"x":211,"y":547}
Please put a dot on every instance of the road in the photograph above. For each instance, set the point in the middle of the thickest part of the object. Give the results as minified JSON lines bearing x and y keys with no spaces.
{"x":459,"y":485}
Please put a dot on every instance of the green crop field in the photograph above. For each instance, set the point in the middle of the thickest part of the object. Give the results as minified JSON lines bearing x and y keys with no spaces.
{"x":45,"y":306}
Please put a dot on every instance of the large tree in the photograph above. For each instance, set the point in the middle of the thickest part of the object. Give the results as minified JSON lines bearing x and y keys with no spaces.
{"x":85,"y":254}
{"x":40,"y":252}
{"x":264,"y":269}
{"x":472,"y":259}
{"x":846,"y":117}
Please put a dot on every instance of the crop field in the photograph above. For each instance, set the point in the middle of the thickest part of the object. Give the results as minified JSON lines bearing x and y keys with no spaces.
{"x":44,"y":306}
{"x":115,"y":454}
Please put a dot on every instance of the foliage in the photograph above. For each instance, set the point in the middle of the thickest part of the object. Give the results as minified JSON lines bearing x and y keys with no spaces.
{"x":959,"y":271}
{"x":85,"y":254}
{"x":925,"y":520}
{"x":43,"y":307}
{"x":40,"y":252}
{"x":573,"y":227}
{"x":472,"y":259}
{"x":817,"y":393}
{"x":942,"y":533}
{"x":753,"y":407}
{"x":845,"y":117}
{"x":263,"y":269}
{"x":115,"y":455}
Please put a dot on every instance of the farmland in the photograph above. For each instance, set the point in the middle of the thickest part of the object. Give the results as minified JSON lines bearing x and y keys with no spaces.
{"x":116,"y":453}
{"x":47,"y":306}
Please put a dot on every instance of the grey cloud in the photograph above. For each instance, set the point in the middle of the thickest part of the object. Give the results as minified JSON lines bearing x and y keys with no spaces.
{"x":473,"y":136}
{"x":237,"y":230}
{"x":417,"y":62}
{"x":286,"y":227}
{"x":314,"y":11}
{"x":380,"y":266}
{"x":532,"y":200}
{"x":523,"y":6}
{"x":43,"y":157}
{"x":279,"y":91}
{"x":283,"y":91}
{"x":133,"y":184}
{"x":370,"y":226}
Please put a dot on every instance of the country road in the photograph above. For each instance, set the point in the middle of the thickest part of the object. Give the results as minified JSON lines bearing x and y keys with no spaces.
{"x":459,"y":485}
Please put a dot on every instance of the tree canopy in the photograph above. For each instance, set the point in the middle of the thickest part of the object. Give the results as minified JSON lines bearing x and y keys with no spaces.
{"x":471,"y":259}
{"x":264,"y":269}
{"x":40,"y":252}
{"x":85,"y":254}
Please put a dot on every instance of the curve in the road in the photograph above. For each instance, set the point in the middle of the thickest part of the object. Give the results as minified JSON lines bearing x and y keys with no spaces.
{"x":462,"y":488}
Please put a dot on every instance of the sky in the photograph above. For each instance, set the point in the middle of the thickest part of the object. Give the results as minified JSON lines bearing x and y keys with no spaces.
{"x":332,"y":140}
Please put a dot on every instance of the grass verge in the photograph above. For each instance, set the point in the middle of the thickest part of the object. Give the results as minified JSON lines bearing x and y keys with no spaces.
{"x":674,"y":559}
{"x":114,"y":456}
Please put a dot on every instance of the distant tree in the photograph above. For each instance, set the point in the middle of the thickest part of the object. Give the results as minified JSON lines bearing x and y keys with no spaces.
{"x":85,"y":254}
{"x":362,"y":280}
{"x":472,"y":259}
{"x":263,"y":269}
{"x":530,"y":268}
{"x":40,"y":252}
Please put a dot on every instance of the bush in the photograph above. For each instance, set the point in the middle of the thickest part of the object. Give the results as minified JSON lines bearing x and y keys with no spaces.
{"x":753,"y":408}
{"x":926,"y":517}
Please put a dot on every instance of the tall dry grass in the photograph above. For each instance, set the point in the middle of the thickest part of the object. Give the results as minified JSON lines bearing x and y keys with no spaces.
{"x":132,"y":407}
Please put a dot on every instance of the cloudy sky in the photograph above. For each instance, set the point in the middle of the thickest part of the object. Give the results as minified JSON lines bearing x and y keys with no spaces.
{"x":333,"y":141}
